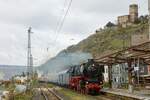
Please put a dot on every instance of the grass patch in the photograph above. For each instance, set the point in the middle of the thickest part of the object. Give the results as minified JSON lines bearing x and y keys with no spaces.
{"x":73,"y":95}
{"x":2,"y":87}
{"x":34,"y":83}
{"x":50,"y":85}
{"x":106,"y":85}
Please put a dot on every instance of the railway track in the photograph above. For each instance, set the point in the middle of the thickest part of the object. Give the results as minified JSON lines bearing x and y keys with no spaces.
{"x":49,"y":94}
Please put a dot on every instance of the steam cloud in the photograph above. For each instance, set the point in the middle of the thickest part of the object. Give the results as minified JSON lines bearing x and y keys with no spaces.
{"x":62,"y":62}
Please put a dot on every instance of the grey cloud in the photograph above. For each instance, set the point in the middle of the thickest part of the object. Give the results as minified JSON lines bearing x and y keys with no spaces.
{"x":105,"y":7}
{"x":85,"y":16}
{"x":40,"y":14}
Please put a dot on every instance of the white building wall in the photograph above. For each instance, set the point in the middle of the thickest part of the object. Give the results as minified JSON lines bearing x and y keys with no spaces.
{"x":119,"y":75}
{"x":106,"y":77}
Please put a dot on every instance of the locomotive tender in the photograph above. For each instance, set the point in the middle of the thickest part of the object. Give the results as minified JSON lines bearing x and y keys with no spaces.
{"x":86,"y":78}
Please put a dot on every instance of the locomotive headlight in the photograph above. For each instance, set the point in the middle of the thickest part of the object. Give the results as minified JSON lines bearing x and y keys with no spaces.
{"x":101,"y":82}
{"x":87,"y":82}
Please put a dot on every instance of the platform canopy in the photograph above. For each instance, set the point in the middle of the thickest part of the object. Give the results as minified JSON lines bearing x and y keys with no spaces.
{"x":141,"y":51}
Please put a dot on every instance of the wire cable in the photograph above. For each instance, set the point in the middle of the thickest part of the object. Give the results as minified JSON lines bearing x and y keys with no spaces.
{"x":59,"y":20}
{"x":63,"y":20}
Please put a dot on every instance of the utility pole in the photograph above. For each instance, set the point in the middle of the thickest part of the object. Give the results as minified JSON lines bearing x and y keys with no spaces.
{"x":31,"y":64}
{"x":29,"y":59}
{"x":149,"y":17}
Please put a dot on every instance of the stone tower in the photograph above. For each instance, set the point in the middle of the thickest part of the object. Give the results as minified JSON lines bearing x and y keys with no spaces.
{"x":133,"y":12}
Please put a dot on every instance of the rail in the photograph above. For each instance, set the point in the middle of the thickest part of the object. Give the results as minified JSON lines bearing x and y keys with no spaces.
{"x":54,"y":93}
{"x":43,"y":94}
{"x":49,"y":94}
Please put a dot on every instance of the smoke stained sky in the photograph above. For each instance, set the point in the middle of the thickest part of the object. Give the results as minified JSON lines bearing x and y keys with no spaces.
{"x":84,"y":18}
{"x":61,"y":63}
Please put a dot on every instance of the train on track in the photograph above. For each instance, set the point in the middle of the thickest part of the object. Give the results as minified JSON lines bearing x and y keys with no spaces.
{"x":86,"y":77}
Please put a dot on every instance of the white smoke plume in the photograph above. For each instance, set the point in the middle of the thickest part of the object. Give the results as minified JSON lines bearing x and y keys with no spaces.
{"x":62,"y":62}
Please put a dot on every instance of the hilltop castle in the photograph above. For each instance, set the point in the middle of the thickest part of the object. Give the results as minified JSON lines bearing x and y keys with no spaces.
{"x":127,"y":20}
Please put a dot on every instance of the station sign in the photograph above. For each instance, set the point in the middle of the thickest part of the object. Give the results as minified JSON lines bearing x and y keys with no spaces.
{"x":136,"y":68}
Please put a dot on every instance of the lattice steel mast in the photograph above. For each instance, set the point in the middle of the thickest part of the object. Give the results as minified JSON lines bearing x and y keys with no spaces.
{"x":29,"y":59}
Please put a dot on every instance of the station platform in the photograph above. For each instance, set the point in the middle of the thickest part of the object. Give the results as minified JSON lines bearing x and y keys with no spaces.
{"x":136,"y":95}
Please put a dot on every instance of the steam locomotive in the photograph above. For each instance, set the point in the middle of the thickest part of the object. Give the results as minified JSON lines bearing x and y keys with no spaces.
{"x":86,"y":78}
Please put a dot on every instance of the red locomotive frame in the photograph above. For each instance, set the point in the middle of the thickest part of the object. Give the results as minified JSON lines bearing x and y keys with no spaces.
{"x":85,"y":82}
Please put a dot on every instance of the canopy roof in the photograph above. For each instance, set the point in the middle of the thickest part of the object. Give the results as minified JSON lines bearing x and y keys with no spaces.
{"x":141,"y":51}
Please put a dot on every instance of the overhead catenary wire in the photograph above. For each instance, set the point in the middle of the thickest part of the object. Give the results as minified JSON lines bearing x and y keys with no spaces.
{"x":66,"y":7}
{"x":62,"y":21}
{"x":59,"y":20}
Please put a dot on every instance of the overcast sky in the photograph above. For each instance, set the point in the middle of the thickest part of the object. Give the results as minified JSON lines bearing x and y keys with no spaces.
{"x":84,"y":17}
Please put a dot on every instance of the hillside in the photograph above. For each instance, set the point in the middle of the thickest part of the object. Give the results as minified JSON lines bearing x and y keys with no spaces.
{"x":109,"y":39}
{"x":103,"y":41}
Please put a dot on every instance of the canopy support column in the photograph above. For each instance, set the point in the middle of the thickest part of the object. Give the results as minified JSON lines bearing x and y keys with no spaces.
{"x":130,"y":79}
{"x":110,"y":75}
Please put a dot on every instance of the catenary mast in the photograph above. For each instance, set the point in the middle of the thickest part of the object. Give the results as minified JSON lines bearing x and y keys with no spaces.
{"x":29,"y":59}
